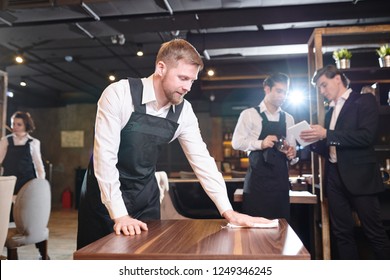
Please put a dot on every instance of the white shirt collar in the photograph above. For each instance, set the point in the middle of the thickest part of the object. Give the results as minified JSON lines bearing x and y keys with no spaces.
{"x":263,"y":108}
{"x":28,"y":136}
{"x":148,"y":94}
{"x":344,"y":96}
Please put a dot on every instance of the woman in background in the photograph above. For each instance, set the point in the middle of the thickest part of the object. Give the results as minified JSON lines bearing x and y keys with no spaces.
{"x":20,"y":154}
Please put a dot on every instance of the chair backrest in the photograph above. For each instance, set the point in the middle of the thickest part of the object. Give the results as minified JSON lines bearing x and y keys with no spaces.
{"x":31,"y":213}
{"x":7,"y":186}
{"x":191,"y":201}
{"x":162,"y":181}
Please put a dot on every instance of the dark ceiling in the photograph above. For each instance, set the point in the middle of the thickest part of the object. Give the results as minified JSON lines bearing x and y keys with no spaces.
{"x":70,"y":46}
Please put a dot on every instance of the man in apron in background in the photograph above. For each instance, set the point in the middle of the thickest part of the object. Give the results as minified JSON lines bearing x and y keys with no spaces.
{"x":260,"y":130}
{"x":134,"y":118}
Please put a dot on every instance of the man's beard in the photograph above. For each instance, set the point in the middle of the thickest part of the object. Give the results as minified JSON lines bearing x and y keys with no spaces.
{"x":170,"y":94}
{"x":173,"y":100}
{"x":174,"y":97}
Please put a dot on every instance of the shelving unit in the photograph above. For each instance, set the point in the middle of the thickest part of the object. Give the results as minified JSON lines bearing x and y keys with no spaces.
{"x":352,"y":36}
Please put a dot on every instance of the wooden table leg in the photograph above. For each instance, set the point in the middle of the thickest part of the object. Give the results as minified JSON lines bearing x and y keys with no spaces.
{"x":325,"y":229}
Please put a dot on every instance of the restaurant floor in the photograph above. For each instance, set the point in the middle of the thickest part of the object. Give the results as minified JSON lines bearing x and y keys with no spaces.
{"x":62,"y":237}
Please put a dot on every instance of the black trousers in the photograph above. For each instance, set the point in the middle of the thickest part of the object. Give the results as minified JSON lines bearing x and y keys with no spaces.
{"x":341,"y":204}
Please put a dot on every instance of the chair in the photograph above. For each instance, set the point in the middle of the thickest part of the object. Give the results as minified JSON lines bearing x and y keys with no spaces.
{"x":162,"y":181}
{"x":191,"y":201}
{"x":31,"y":215}
{"x":7,"y":186}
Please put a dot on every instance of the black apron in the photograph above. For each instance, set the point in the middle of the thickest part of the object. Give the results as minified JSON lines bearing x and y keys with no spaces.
{"x":266,"y":186}
{"x":141,"y":140}
{"x":18,"y":162}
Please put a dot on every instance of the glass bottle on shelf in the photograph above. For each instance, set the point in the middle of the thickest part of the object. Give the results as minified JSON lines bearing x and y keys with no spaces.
{"x":227,"y":146}
{"x":388,"y":98}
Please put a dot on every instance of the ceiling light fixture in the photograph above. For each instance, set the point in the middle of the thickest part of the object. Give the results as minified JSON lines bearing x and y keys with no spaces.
{"x":169,"y":8}
{"x":68,"y":58}
{"x":175,"y":33}
{"x":114,"y":39}
{"x":111,"y":77}
{"x":140,"y":52}
{"x":19,"y":59}
{"x":90,"y":11}
{"x":85,"y":31}
{"x":5,"y":21}
{"x":121,"y":39}
{"x":23,"y":83}
{"x":118,"y":39}
{"x":210,"y":72}
{"x":206,"y":55}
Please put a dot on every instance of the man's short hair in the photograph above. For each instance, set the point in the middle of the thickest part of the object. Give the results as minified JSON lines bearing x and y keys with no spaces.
{"x":271,"y":80}
{"x":179,"y":49}
{"x":330,"y":71}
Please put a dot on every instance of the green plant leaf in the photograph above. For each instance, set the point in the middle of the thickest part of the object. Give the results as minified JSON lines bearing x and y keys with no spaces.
{"x":383,"y":50}
{"x":342,"y":54}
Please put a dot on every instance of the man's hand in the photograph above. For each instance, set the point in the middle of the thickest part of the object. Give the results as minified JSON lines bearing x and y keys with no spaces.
{"x":269,"y":142}
{"x":316,"y":133}
{"x":128,"y":226}
{"x":291,"y":152}
{"x":239,"y":219}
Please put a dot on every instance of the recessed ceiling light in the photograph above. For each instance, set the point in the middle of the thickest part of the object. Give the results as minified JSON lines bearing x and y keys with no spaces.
{"x":140,"y":52}
{"x":19,"y":59}
{"x":68,"y":58}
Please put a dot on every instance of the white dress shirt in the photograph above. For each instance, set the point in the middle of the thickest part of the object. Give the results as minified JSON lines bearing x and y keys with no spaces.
{"x":115,"y":107}
{"x":337,"y":106}
{"x":249,"y":127}
{"x":35,"y":149}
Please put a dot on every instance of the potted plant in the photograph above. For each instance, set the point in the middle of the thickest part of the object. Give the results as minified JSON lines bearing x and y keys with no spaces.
{"x":384,"y":55}
{"x":342,"y":58}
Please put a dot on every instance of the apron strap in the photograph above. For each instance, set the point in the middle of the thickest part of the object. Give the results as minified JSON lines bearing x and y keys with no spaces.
{"x":282,"y":122}
{"x":136,"y":88}
{"x":11,"y":141}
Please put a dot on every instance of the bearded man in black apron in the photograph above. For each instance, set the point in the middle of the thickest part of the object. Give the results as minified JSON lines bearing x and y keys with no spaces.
{"x":134,"y":118}
{"x":258,"y":131}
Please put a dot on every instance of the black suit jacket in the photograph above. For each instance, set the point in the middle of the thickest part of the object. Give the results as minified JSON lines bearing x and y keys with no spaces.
{"x":354,"y":137}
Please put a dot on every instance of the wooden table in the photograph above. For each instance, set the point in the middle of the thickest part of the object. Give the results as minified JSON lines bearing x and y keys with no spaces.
{"x":196,"y":239}
{"x":303,"y":197}
{"x":297,"y":197}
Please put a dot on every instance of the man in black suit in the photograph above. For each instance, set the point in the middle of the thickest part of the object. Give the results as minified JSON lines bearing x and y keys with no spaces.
{"x":352,"y":177}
